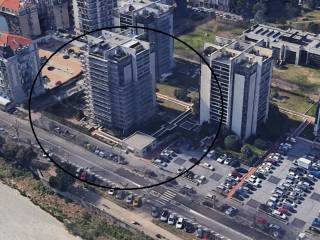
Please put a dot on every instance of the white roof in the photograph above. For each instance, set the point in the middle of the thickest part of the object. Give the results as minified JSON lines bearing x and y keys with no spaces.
{"x":4,"y":101}
{"x":139,"y":140}
{"x":302,"y":159}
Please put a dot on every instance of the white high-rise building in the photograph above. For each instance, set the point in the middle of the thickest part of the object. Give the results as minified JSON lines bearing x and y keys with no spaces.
{"x":244,"y":72}
{"x":90,"y":15}
{"x":120,"y":81}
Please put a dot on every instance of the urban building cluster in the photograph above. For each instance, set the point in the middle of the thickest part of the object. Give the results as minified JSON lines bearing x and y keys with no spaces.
{"x":123,"y":65}
{"x":290,"y":46}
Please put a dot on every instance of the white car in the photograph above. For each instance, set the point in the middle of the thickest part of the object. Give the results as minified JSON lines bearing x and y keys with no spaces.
{"x":201,"y":179}
{"x":208,"y":166}
{"x":111,"y":192}
{"x":179,"y":224}
{"x":172,"y":219}
{"x":276,"y":213}
{"x":220,"y":159}
{"x":180,"y":170}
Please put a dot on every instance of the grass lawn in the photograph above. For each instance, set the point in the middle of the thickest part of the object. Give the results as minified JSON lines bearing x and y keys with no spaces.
{"x":203,"y":33}
{"x":166,"y":89}
{"x":255,"y":150}
{"x":307,"y":79}
{"x":312,"y":111}
{"x":291,"y":101}
{"x":308,"y":16}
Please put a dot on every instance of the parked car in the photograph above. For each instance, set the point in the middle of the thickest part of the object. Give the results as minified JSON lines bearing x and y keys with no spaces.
{"x":179,"y":224}
{"x":208,"y":166}
{"x":164,"y":216}
{"x":172,"y":219}
{"x":129,"y":199}
{"x":136,"y":201}
{"x":155,"y":212}
{"x":232,"y":211}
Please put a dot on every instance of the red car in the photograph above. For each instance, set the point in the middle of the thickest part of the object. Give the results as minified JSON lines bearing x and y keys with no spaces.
{"x":236,"y":174}
{"x":283,"y":210}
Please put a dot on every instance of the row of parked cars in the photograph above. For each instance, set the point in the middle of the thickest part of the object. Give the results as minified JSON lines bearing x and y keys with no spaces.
{"x":190,"y":175}
{"x":165,"y":157}
{"x":183,"y":223}
{"x":231,"y":180}
{"x":255,"y":180}
{"x":291,"y":192}
{"x":131,"y":199}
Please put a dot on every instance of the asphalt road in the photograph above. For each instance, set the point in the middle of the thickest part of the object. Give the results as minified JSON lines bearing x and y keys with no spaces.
{"x":116,"y":173}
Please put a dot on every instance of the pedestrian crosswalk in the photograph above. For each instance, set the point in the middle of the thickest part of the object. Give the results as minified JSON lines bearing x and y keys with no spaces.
{"x":166,"y":197}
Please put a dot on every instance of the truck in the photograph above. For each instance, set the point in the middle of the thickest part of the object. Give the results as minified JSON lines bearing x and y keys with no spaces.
{"x":315,"y":225}
{"x":303,"y":162}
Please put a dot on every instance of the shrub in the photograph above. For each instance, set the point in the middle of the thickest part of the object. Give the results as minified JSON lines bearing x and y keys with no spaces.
{"x":259,"y":143}
{"x":232,"y":142}
{"x":246,"y":151}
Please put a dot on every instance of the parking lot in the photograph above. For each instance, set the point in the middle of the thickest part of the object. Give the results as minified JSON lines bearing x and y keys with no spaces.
{"x":305,"y":204}
{"x":207,"y":176}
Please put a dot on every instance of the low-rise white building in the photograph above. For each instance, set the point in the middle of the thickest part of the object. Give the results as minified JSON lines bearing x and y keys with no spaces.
{"x":140,"y":144}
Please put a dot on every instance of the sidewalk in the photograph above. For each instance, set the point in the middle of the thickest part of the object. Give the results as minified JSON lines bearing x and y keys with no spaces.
{"x":127,"y":216}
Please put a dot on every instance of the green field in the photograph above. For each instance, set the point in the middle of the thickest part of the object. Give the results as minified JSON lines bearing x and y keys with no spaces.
{"x":312,"y":111}
{"x":205,"y":33}
{"x":291,"y":101}
{"x":307,"y":79}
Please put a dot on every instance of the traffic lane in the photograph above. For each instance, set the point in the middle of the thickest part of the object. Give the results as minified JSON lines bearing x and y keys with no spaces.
{"x":228,"y":222}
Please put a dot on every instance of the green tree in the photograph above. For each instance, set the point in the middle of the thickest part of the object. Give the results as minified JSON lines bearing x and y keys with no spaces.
{"x":314,"y":27}
{"x":63,"y":180}
{"x":181,"y":94}
{"x":232,"y":142}
{"x":311,"y":4}
{"x":9,"y":150}
{"x":246,"y":151}
{"x":25,"y":155}
{"x":259,"y":143}
{"x":260,"y":10}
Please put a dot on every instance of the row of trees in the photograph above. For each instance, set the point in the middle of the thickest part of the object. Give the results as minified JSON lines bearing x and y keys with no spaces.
{"x":19,"y":154}
{"x":24,"y":155}
{"x":271,"y":10}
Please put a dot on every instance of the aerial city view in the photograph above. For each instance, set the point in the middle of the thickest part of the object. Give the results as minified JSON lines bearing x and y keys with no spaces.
{"x":159,"y":119}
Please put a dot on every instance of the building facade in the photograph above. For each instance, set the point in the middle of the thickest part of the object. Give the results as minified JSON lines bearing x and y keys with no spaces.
{"x":92,"y":14}
{"x":290,"y":46}
{"x":316,"y":129}
{"x":120,"y":81}
{"x":221,"y":5}
{"x":19,"y":64}
{"x":153,"y":15}
{"x":244,"y":72}
{"x":54,"y":14}
{"x":21,"y":17}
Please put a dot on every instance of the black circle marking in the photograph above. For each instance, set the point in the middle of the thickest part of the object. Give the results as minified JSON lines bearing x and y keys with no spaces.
{"x":124,"y":27}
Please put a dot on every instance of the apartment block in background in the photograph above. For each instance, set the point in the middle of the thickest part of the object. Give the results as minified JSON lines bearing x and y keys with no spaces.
{"x":221,"y":5}
{"x":21,"y":17}
{"x":244,"y":72}
{"x":153,"y":15}
{"x":291,"y":46}
{"x":54,"y":14}
{"x":120,"y":81}
{"x":19,"y":64}
{"x":93,"y":14}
